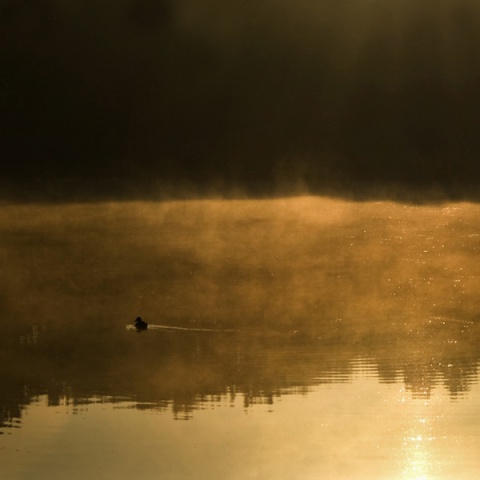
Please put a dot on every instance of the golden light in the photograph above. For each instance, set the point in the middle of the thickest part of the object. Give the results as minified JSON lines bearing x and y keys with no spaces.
{"x":421,"y":455}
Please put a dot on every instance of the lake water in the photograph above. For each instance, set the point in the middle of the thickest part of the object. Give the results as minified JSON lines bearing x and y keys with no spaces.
{"x":322,"y":339}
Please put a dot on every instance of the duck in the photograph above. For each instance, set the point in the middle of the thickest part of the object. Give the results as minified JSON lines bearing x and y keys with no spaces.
{"x":140,"y":324}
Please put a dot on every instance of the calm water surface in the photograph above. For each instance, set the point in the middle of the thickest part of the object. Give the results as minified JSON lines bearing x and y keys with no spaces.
{"x":354,"y":352}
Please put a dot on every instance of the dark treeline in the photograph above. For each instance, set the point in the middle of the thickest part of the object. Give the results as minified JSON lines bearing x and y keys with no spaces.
{"x":253,"y":94}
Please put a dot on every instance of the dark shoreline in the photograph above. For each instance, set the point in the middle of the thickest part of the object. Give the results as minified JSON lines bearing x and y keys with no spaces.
{"x":90,"y":190}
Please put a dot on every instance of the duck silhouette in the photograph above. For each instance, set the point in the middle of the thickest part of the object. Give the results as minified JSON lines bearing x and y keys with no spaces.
{"x":140,"y":324}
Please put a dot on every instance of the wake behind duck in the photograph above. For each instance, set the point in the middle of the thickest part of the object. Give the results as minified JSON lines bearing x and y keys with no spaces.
{"x":139,"y":325}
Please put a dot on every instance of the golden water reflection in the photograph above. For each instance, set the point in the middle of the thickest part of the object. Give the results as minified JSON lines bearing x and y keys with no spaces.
{"x":357,"y":429}
{"x":354,"y":351}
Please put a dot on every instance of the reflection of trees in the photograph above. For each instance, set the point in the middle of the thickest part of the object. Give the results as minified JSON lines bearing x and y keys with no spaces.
{"x":458,"y":377}
{"x":186,"y":371}
{"x":13,"y":400}
{"x":456,"y":374}
{"x":431,"y":356}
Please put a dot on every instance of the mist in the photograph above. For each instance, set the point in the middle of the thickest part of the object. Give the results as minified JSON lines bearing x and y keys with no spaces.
{"x":313,"y":264}
{"x":282,"y":276}
{"x":347,"y":98}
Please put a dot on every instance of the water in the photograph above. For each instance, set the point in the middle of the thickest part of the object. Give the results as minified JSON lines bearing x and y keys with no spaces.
{"x":339,"y":340}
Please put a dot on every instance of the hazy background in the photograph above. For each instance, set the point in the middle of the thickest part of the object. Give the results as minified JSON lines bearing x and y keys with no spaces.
{"x":140,"y":96}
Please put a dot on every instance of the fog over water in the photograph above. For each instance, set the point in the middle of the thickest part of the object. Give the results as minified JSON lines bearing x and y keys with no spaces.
{"x":287,"y":260}
{"x":378,"y":275}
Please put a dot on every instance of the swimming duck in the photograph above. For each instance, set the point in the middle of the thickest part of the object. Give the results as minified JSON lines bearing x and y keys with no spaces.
{"x":140,"y":324}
